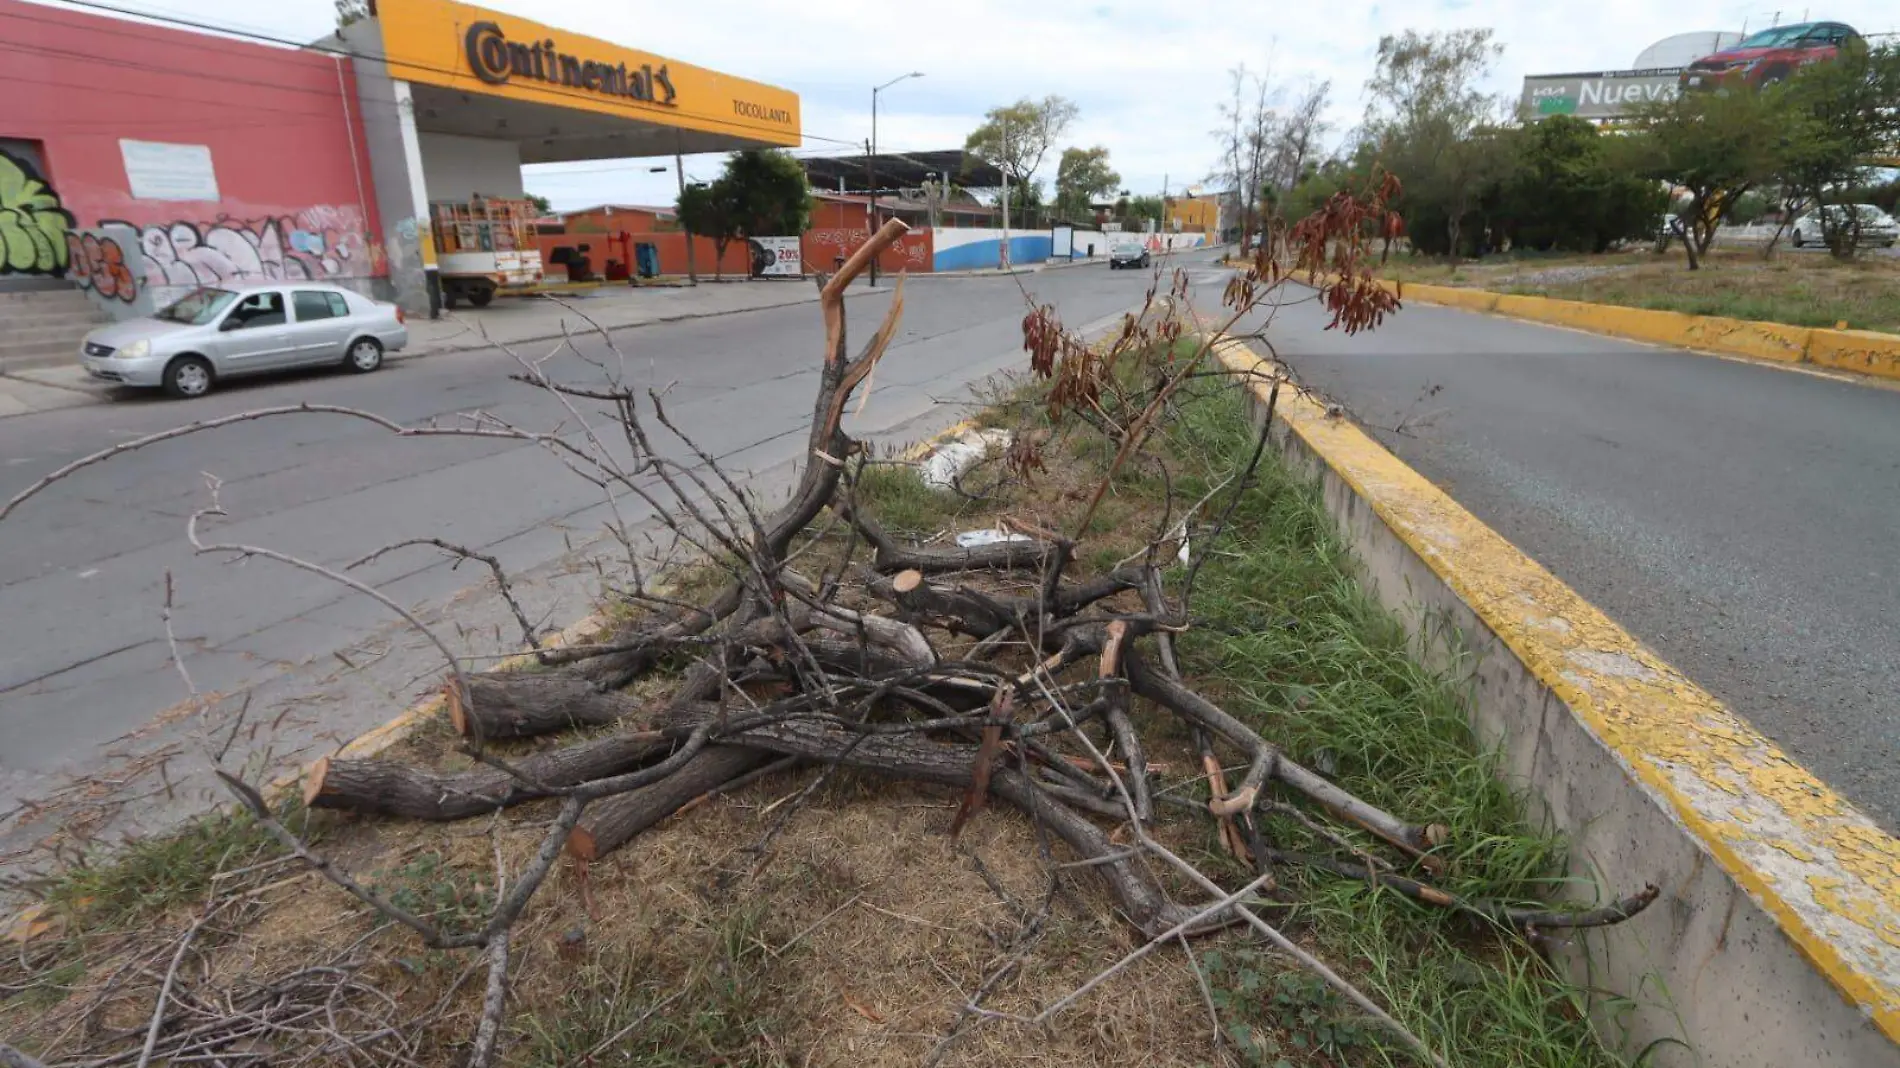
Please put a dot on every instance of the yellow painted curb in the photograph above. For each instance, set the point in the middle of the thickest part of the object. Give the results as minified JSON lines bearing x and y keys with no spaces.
{"x":1829,"y":876}
{"x":1866,"y":352}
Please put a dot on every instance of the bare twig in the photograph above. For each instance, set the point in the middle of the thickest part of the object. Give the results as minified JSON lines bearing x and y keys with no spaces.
{"x":494,"y":1003}
{"x":529,"y":639}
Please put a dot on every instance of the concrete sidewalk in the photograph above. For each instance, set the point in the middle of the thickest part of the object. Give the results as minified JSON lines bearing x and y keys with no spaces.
{"x":507,"y":322}
{"x":516,"y":321}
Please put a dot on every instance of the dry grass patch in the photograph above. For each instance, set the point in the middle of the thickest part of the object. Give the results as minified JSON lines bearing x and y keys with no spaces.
{"x":1797,"y":288}
{"x":797,"y":922}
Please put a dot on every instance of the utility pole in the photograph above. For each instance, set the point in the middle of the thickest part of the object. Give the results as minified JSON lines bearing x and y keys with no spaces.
{"x":1002,"y":249}
{"x":679,"y":170}
{"x":870,"y":163}
{"x":870,"y":195}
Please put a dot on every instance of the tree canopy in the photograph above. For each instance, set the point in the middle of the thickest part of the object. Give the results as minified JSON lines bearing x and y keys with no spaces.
{"x":1083,"y":176}
{"x":1016,"y":137}
{"x":760,"y":193}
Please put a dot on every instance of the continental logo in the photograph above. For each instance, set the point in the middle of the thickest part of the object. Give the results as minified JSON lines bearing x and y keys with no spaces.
{"x":748,"y":110}
{"x":496,"y":60}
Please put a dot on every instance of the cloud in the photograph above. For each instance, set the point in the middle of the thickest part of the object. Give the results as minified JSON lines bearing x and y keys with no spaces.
{"x":1148,"y":80}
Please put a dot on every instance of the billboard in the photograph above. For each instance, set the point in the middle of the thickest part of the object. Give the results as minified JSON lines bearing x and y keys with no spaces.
{"x":1599,"y":95}
{"x":775,"y":257}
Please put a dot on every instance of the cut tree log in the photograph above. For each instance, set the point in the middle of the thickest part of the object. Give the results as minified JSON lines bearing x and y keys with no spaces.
{"x":607,"y":825}
{"x":384,"y":788}
{"x":526,"y":704}
{"x":890,"y":557}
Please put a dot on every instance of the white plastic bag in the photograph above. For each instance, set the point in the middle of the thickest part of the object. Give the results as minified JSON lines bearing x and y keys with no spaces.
{"x":950,"y":460}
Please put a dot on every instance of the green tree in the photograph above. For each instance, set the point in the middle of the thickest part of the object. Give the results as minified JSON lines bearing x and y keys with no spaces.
{"x":1714,"y":147}
{"x":1136,"y":212}
{"x":1572,"y":188}
{"x":710,"y":210}
{"x":760,"y":193}
{"x":1425,"y":123}
{"x":1016,"y":137}
{"x":1835,"y":118}
{"x":1083,"y":176}
{"x":351,"y":11}
{"x":769,"y":190}
{"x":541,"y":203}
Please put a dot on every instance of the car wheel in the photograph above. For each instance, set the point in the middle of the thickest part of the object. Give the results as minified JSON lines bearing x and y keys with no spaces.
{"x":188,"y":376}
{"x":365,"y":355}
{"x":1799,"y":241}
{"x":481,"y":297}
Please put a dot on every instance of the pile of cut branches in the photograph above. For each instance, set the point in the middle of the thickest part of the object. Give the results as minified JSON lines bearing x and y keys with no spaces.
{"x":831,"y":642}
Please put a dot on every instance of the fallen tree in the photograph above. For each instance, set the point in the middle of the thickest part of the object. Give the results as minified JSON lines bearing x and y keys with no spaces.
{"x":844,"y":649}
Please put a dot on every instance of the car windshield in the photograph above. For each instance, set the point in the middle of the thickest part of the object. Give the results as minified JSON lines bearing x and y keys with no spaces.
{"x":197,"y":307}
{"x":1774,"y":38}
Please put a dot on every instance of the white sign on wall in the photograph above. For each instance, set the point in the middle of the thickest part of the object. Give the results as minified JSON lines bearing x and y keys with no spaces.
{"x":156,"y":170}
{"x":776,"y":257}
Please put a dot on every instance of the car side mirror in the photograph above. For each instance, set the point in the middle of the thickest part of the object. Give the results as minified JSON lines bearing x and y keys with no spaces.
{"x":230,"y":324}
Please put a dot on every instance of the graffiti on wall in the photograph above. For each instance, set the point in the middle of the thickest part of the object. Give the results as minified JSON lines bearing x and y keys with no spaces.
{"x":825,"y":248}
{"x":97,"y":264}
{"x":318,"y":243}
{"x":33,"y":225}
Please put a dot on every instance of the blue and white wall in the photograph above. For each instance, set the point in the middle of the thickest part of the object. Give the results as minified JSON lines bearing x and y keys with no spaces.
{"x":958,"y":249}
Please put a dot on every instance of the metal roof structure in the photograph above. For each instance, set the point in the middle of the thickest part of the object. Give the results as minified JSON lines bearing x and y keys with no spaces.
{"x":900,"y":170}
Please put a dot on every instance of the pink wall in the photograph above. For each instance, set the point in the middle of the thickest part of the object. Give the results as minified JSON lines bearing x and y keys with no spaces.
{"x":295,"y":197}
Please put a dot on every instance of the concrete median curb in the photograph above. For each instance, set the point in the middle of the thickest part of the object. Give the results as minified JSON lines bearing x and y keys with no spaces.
{"x":1777,"y":937}
{"x":1862,"y":351}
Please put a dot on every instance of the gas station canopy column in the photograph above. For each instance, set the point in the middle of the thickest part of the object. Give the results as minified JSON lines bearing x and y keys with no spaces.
{"x":456,"y":98}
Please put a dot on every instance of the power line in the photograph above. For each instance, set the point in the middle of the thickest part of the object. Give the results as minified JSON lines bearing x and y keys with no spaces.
{"x":560,"y":92}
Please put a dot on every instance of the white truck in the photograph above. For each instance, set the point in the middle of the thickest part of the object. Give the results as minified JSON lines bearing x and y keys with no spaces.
{"x":484,"y":247}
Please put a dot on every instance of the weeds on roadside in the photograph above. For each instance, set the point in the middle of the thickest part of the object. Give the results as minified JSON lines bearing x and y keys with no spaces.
{"x":151,"y":875}
{"x":1310,"y":660}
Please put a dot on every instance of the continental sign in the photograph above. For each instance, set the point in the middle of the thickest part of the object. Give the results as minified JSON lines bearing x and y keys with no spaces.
{"x":497,"y":60}
{"x":1601,"y":95}
{"x":457,"y":46}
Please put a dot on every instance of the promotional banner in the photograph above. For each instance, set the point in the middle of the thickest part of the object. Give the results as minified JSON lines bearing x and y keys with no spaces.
{"x":775,"y":257}
{"x":1601,"y":95}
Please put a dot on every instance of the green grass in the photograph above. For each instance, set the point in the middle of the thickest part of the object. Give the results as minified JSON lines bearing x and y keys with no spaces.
{"x":902,"y":503}
{"x":1291,"y":643}
{"x":126,"y":887}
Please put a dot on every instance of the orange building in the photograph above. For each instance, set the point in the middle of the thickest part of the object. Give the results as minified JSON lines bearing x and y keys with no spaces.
{"x":1192,"y":215}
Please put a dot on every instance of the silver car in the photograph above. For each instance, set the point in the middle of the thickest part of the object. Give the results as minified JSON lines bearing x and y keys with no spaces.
{"x":213,"y":333}
{"x":1877,"y":228}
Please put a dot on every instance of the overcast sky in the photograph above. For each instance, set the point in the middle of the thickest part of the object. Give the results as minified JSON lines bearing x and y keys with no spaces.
{"x":1148,"y":83}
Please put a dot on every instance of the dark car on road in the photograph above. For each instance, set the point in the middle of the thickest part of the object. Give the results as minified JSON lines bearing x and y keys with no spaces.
{"x":1127,"y":252}
{"x":1768,"y":57}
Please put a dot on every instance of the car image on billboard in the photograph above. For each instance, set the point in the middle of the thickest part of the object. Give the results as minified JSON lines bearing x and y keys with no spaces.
{"x":1768,"y":57}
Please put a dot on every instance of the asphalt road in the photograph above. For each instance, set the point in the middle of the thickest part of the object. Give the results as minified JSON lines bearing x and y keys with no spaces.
{"x":1742,"y":520}
{"x":87,"y":686}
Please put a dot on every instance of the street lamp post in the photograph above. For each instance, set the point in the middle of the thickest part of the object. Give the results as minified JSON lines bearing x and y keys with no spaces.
{"x":873,"y":162}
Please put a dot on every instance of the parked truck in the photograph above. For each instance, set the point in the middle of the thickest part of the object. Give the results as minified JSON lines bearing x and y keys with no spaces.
{"x":485,"y":246}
